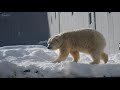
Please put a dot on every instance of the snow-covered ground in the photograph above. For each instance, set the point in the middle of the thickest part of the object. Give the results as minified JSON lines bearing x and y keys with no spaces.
{"x":35,"y":61}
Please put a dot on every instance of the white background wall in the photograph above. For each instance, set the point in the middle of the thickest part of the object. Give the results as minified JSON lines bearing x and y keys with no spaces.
{"x":102,"y":26}
{"x":73,"y":20}
{"x":109,"y":24}
{"x":116,"y":32}
{"x":65,"y":21}
{"x":53,"y":20}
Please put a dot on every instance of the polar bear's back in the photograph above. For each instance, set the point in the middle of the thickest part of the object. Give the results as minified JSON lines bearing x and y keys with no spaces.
{"x":85,"y":39}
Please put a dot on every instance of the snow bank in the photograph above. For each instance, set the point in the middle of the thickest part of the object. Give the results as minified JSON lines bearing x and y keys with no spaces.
{"x":34,"y":61}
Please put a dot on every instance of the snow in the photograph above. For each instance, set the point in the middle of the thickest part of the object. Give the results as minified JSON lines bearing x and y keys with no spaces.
{"x":35,"y":61}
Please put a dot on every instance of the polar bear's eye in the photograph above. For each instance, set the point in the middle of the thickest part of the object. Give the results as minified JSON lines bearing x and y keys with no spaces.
{"x":56,"y":39}
{"x":51,"y":43}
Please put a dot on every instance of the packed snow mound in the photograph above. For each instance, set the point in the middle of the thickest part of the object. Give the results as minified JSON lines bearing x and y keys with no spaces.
{"x":35,"y":61}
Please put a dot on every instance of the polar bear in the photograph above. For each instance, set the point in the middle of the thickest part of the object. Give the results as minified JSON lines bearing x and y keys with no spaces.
{"x":88,"y":41}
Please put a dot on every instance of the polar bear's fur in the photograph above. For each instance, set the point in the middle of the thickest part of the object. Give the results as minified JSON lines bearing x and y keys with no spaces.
{"x":87,"y":41}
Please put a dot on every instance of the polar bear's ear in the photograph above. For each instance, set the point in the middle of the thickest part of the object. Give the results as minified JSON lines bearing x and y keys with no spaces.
{"x":56,"y":37}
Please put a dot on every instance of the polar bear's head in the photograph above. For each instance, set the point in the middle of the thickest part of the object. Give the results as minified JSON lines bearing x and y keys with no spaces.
{"x":55,"y":42}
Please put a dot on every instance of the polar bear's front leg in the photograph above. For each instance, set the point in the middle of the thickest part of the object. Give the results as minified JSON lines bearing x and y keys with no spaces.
{"x":62,"y":55}
{"x":75,"y":55}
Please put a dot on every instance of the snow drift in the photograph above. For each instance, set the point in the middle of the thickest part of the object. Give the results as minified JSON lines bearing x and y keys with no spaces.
{"x":35,"y":61}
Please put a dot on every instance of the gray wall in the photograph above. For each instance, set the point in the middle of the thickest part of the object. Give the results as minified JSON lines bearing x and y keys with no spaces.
{"x":73,"y":20}
{"x":23,"y":28}
{"x":108,"y":23}
{"x":53,"y":18}
{"x":67,"y":21}
{"x":102,"y":26}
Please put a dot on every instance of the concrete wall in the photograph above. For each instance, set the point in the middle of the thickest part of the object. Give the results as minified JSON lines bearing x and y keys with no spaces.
{"x":67,"y":21}
{"x":102,"y":26}
{"x":20,"y":28}
{"x":53,"y":19}
{"x":115,"y":25}
{"x":108,"y":23}
{"x":73,"y":20}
